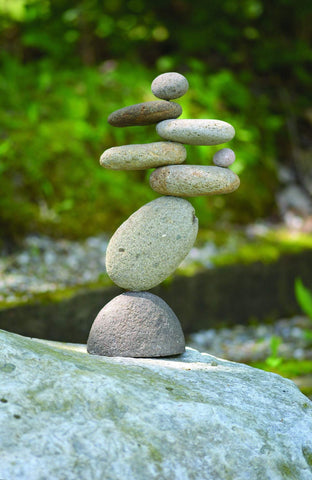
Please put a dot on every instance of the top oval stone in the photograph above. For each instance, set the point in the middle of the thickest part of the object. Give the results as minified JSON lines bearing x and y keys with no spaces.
{"x":169,"y":86}
{"x":196,"y":132}
{"x":145,"y":113}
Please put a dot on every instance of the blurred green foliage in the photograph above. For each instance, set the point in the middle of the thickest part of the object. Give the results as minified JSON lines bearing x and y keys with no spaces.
{"x":304,"y":297}
{"x":65,"y":67}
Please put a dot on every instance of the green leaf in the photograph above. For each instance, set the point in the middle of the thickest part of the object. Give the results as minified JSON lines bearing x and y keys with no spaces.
{"x":274,"y":362}
{"x":274,"y":344}
{"x":304,"y":297}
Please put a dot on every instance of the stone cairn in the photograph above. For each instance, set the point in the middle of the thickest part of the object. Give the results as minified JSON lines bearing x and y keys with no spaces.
{"x":153,"y":241}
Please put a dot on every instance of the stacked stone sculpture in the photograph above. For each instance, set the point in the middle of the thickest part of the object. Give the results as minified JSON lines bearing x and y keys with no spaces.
{"x":153,"y":241}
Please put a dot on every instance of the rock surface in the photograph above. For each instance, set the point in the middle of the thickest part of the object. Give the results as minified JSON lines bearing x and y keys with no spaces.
{"x":196,"y":132}
{"x":145,"y":113}
{"x":151,"y":243}
{"x":224,"y":157}
{"x":143,"y":156}
{"x":193,"y":180}
{"x":136,"y":324}
{"x":170,"y":85}
{"x":70,"y":415}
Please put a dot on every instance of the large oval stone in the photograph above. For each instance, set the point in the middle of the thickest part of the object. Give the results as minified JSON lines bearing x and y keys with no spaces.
{"x":151,"y":244}
{"x":136,"y":324}
{"x":196,"y":132}
{"x":142,"y":156}
{"x":193,"y":180}
{"x":169,"y":85}
{"x":145,"y":113}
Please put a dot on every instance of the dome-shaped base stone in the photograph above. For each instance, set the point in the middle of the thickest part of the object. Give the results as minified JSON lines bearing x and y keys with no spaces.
{"x":136,"y":324}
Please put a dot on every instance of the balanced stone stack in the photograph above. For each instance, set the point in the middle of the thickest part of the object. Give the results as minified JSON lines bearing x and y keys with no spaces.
{"x":152,"y":242}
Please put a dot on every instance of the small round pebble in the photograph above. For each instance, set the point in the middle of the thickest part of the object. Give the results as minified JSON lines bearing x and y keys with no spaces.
{"x":224,"y":157}
{"x":136,"y":324}
{"x":193,"y":180}
{"x":169,"y":86}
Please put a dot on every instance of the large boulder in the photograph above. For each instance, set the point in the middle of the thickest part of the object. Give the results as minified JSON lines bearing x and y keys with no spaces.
{"x":65,"y":414}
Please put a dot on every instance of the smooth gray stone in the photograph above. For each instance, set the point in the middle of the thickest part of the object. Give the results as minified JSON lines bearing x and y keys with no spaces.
{"x":67,"y":415}
{"x":169,"y":85}
{"x":224,"y":157}
{"x":196,"y":132}
{"x":151,"y":244}
{"x":136,"y":324}
{"x":193,"y":180}
{"x":145,"y":113}
{"x":143,"y":156}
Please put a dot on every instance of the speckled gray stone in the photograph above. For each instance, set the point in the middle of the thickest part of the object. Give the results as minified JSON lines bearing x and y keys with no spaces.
{"x":145,"y":113}
{"x":196,"y":132}
{"x":224,"y":157}
{"x":193,"y":180}
{"x":170,"y":85}
{"x":151,"y":244}
{"x":136,"y":324}
{"x":142,"y":156}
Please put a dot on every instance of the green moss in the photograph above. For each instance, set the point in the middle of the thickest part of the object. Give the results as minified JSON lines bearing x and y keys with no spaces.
{"x":7,"y":367}
{"x":155,"y":455}
{"x":266,"y":249}
{"x":288,"y":471}
{"x":307,"y":453}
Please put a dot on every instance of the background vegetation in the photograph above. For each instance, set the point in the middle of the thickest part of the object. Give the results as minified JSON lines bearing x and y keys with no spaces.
{"x":66,"y":65}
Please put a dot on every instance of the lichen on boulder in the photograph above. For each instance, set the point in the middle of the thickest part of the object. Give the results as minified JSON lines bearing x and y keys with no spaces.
{"x":67,"y":414}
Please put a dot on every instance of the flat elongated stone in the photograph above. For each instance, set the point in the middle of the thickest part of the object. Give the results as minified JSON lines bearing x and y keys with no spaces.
{"x":141,"y":156}
{"x":224,"y":157}
{"x":136,"y":324}
{"x":196,"y":132}
{"x":193,"y":180}
{"x":150,"y":245}
{"x":169,"y":85}
{"x":145,"y":113}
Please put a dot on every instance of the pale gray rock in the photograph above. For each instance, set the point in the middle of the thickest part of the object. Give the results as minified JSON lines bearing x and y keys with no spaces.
{"x":224,"y":157}
{"x":143,"y":156}
{"x":151,"y":243}
{"x":193,"y":180}
{"x":294,"y":198}
{"x":196,"y":131}
{"x":136,"y":324}
{"x":285,"y":174}
{"x":169,"y":85}
{"x":69,"y":415}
